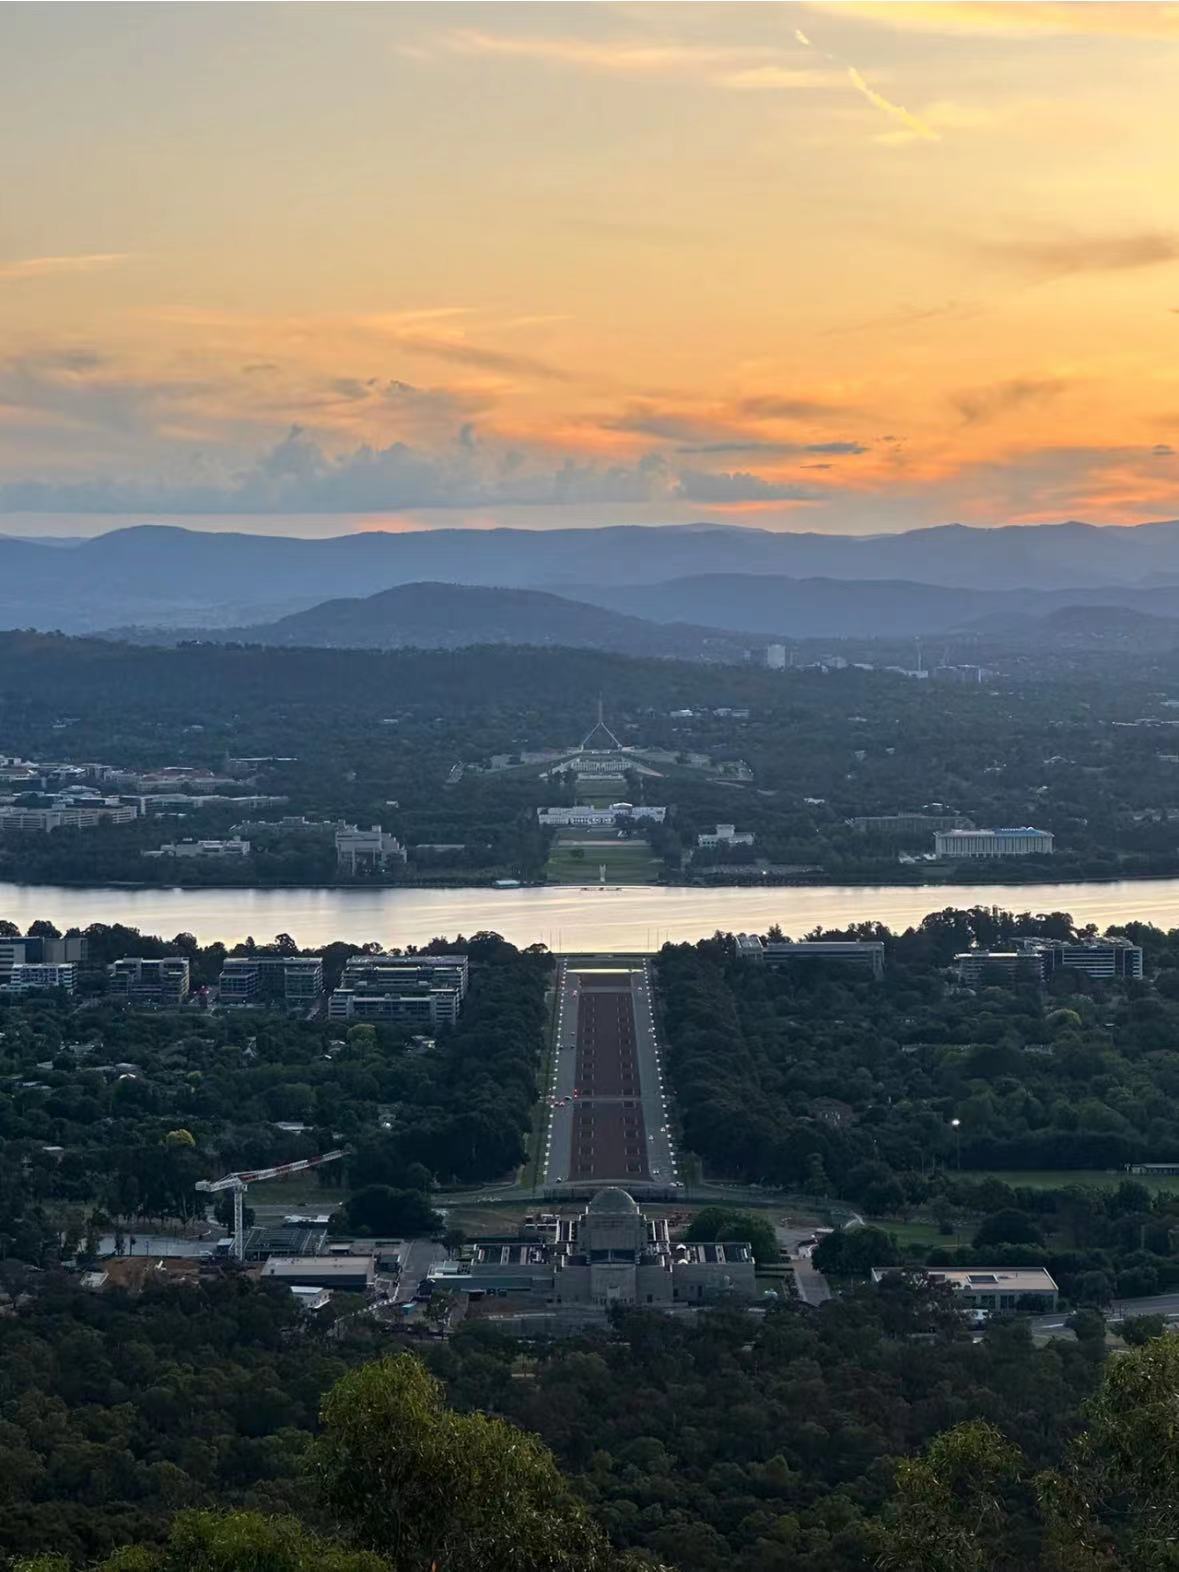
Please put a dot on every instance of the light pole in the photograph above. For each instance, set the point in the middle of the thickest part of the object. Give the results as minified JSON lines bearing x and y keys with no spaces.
{"x":956,"y":1126}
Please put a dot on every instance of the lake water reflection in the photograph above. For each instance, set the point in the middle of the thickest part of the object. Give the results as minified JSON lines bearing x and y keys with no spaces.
{"x":563,"y":917}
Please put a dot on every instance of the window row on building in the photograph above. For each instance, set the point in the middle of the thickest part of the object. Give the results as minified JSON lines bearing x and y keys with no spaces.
{"x":1022,"y":842}
{"x":1036,"y":960}
{"x":424,"y":991}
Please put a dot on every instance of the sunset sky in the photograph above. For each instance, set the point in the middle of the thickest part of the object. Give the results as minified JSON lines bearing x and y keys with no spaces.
{"x":837,"y":267}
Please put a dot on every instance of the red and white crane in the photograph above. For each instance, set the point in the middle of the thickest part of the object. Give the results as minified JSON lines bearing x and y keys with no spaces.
{"x":239,"y":1183}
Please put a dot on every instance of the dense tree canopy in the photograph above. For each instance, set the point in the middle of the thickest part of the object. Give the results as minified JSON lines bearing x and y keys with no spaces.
{"x":109,"y":1114}
{"x":1076,"y":748}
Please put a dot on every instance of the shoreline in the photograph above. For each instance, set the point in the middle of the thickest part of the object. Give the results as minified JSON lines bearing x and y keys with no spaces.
{"x":702,"y":888}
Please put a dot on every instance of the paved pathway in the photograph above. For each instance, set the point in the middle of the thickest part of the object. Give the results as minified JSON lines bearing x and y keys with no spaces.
{"x":609,"y":1120}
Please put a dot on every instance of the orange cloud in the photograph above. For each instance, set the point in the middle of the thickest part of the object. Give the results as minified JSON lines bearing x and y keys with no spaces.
{"x":1014,"y":18}
{"x":57,"y":267}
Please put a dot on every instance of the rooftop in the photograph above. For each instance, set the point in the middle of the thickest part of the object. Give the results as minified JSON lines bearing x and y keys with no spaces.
{"x":320,"y":1265}
{"x":1008,"y":1279}
{"x":613,"y":1201}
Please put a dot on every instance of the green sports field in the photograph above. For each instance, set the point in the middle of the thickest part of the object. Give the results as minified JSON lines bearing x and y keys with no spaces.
{"x":627,"y":862}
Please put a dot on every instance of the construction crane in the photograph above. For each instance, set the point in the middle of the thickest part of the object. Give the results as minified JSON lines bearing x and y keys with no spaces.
{"x":239,"y":1183}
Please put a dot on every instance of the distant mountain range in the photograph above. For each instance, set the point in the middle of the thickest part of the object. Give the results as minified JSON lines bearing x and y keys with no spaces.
{"x":773,"y":607}
{"x":450,"y":616}
{"x":719,"y":576}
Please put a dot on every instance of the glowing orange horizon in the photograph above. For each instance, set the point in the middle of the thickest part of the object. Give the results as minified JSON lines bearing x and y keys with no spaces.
{"x":855,"y":266}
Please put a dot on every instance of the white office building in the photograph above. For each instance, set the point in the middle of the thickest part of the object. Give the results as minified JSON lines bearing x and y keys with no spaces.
{"x":776,"y":657}
{"x":867,"y":954}
{"x":984,"y":968}
{"x":1022,"y":842}
{"x":1112,"y":957}
{"x":366,"y":851}
{"x":991,"y":1288}
{"x":587,"y":818}
{"x":206,"y":849}
{"x":724,"y":835}
{"x":67,"y":814}
{"x":1038,"y":959}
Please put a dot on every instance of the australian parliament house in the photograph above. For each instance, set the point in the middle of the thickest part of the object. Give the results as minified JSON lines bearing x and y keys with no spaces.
{"x":600,"y":759}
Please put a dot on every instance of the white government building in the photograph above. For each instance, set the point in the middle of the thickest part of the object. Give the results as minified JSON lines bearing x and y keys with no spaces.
{"x":586,"y":818}
{"x":1022,"y":842}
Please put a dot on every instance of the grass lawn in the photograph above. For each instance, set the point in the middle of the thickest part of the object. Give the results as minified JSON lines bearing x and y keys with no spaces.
{"x":299,"y":1191}
{"x":919,"y":1233}
{"x":627,"y":862}
{"x":1054,"y":1178}
{"x":476,"y":1221}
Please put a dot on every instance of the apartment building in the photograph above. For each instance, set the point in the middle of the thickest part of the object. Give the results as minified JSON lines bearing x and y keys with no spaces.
{"x":34,"y":950}
{"x":35,"y":976}
{"x":425,"y":991}
{"x":163,"y":983}
{"x":290,"y":980}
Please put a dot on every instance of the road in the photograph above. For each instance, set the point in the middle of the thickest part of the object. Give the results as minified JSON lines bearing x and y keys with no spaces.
{"x":1166,"y":1305}
{"x":794,"y":1242}
{"x":417,"y":1257}
{"x":609,"y":1118}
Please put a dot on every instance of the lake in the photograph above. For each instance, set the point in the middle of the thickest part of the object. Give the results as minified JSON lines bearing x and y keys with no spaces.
{"x":640,"y":917}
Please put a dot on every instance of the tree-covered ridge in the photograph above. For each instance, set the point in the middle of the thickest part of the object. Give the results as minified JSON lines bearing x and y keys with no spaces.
{"x":878,"y":1432}
{"x":728,"y":1441}
{"x":124,"y":1412}
{"x":695,"y":1442}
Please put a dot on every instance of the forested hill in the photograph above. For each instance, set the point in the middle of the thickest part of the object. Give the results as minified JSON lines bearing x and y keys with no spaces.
{"x":455,"y":616}
{"x":213,"y":679}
